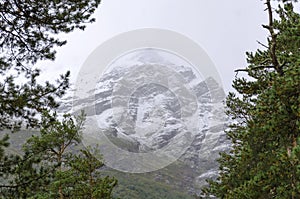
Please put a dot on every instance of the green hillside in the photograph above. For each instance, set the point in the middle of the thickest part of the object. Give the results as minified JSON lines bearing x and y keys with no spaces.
{"x":167,"y":183}
{"x":140,"y":186}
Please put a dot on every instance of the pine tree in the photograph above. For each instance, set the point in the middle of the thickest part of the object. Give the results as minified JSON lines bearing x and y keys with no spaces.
{"x":75,"y":173}
{"x":54,"y":166}
{"x":89,"y":183}
{"x":28,"y":33}
{"x":53,"y":146}
{"x":265,"y":158}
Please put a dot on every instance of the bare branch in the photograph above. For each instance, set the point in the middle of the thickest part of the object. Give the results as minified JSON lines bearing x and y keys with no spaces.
{"x":273,"y":40}
{"x":260,"y":43}
{"x":253,"y":68}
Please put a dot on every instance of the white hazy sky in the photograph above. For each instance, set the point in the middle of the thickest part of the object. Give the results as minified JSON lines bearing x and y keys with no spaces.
{"x":224,"y":29}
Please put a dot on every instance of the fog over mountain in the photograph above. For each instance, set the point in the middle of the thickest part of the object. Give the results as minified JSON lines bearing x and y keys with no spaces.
{"x":150,"y":101}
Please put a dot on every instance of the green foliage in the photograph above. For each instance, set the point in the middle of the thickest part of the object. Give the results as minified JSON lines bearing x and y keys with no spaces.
{"x":51,"y":167}
{"x":42,"y":156}
{"x":84,"y":177}
{"x":27,"y":34}
{"x":264,"y":160}
{"x":28,"y":28}
{"x":46,"y":166}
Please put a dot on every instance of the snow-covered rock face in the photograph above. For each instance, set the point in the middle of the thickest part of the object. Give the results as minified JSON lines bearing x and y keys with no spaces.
{"x":151,"y":100}
{"x":148,"y":104}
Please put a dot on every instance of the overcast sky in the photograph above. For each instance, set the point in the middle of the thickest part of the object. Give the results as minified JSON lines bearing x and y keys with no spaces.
{"x":224,"y":29}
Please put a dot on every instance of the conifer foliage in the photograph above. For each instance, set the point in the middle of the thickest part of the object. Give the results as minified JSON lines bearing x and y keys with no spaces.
{"x":265,"y":158}
{"x":53,"y":163}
